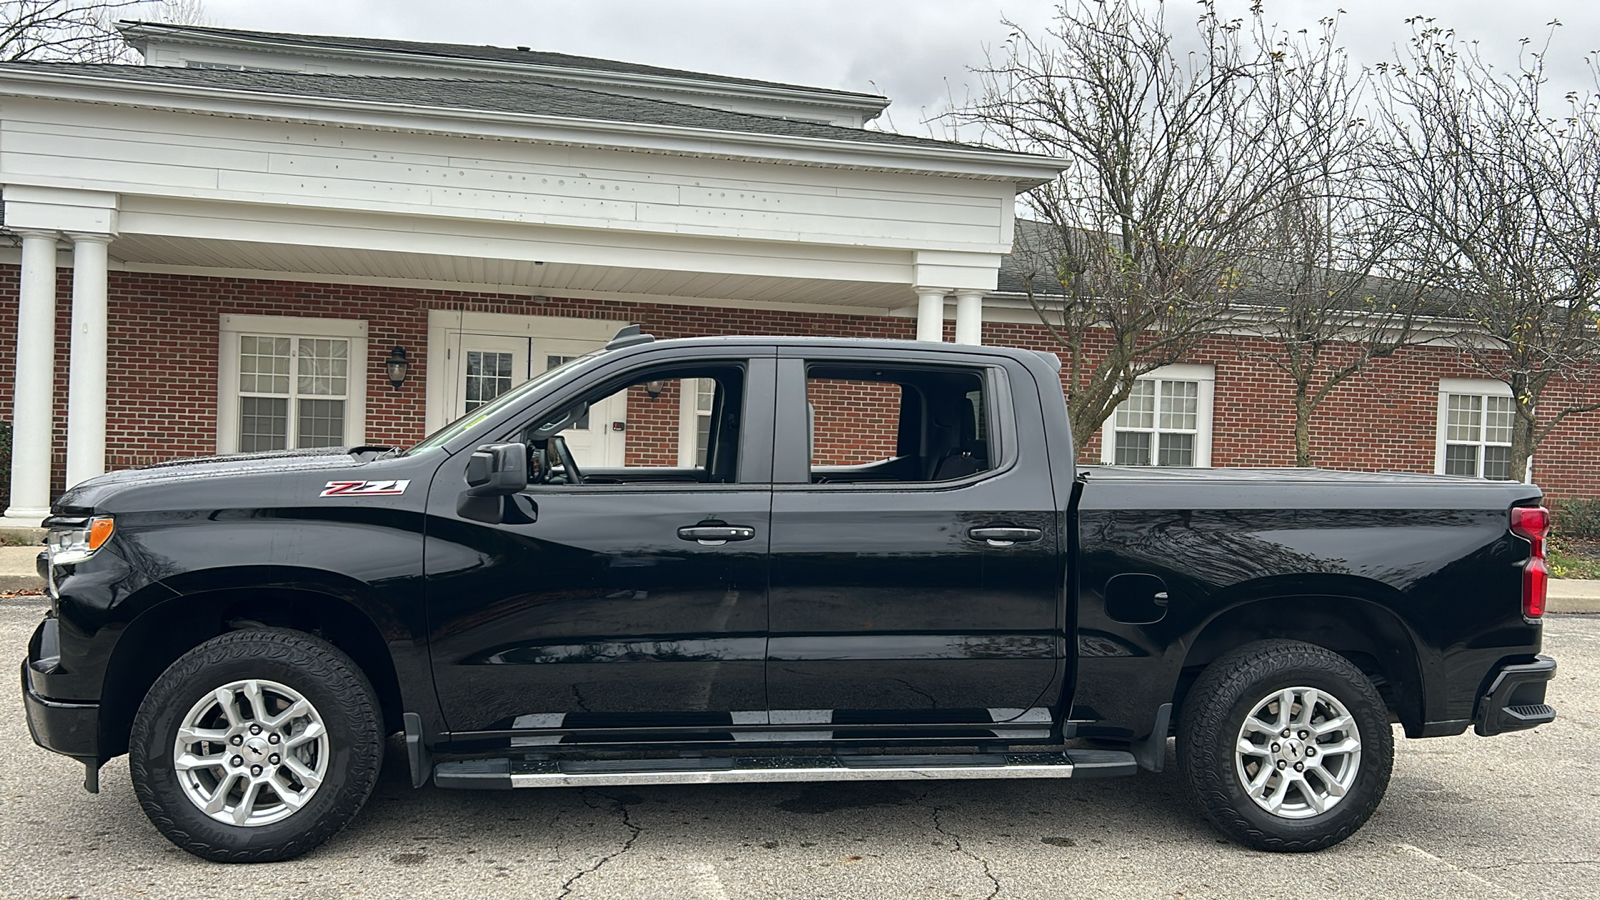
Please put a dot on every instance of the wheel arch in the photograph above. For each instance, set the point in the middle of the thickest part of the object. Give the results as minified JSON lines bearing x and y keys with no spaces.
{"x":1361,"y":629}
{"x":327,"y":605}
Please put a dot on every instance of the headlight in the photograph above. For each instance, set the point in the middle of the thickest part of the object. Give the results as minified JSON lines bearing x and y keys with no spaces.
{"x":78,"y":541}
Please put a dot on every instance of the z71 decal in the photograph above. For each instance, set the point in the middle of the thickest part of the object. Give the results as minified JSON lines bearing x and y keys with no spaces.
{"x":363,"y":488}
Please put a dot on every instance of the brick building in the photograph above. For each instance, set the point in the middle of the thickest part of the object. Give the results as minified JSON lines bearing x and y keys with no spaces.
{"x":223,"y":249}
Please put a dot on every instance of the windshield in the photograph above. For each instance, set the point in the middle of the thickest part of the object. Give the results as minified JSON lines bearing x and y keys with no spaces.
{"x":447,"y":433}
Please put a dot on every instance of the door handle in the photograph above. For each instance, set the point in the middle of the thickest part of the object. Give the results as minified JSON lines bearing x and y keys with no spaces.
{"x":1005,"y":535}
{"x":712,"y":535}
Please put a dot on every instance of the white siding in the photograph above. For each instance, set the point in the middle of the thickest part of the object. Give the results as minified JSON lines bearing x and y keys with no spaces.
{"x":153,"y":153}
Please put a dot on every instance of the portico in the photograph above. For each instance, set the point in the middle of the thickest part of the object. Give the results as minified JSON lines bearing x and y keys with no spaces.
{"x":198,"y":173}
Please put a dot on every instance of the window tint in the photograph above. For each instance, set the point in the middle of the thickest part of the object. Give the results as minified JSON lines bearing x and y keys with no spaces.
{"x":675,"y":425}
{"x":887,"y":425}
{"x":853,"y":422}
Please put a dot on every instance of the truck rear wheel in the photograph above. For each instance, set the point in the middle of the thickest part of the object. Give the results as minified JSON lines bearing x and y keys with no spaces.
{"x":1285,"y":746}
{"x":256,"y":746}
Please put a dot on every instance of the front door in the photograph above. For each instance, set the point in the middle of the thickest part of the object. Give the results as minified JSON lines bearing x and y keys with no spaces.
{"x":595,"y":610}
{"x":916,"y":573}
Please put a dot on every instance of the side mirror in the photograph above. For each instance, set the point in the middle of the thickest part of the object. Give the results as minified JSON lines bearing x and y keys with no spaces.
{"x":497,"y":469}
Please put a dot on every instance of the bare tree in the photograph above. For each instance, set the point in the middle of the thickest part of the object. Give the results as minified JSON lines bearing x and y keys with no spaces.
{"x":1503,"y":208}
{"x":81,"y":30}
{"x":1135,"y":258}
{"x":1325,"y":235}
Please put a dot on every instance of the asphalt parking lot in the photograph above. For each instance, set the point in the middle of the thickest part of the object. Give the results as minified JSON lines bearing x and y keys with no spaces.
{"x":1514,"y":816}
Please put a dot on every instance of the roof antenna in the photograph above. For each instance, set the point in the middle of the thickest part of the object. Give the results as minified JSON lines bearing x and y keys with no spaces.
{"x":629,"y":335}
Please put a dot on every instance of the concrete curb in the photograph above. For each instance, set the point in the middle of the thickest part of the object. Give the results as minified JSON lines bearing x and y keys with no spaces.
{"x":1573,"y":595}
{"x":17,"y":569}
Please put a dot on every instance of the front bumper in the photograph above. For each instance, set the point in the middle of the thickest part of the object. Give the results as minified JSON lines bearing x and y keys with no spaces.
{"x":68,"y":727}
{"x":1515,"y":699}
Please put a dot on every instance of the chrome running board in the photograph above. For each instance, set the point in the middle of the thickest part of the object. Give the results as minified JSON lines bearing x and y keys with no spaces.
{"x":504,"y":774}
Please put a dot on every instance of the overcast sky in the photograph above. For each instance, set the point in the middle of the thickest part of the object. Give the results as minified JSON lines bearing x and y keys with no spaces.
{"x":917,"y":52}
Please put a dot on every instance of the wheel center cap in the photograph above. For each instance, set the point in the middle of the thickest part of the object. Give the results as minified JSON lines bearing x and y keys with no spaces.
{"x":257,"y":748}
{"x":1293,"y":750}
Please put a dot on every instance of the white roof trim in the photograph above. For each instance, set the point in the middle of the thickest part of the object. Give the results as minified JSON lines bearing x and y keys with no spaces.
{"x":1028,"y":171}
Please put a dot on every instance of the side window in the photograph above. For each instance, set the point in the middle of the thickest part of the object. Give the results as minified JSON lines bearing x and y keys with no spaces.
{"x":678,"y":425}
{"x":870,"y":425}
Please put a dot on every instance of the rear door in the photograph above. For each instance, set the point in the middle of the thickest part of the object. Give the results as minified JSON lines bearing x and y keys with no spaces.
{"x":916,"y":548}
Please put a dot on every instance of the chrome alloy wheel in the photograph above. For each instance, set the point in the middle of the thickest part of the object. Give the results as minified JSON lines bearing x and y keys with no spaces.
{"x":1298,"y":752}
{"x":251,"y":753}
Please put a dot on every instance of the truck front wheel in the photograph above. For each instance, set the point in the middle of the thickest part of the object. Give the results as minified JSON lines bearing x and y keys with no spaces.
{"x":1285,"y":746}
{"x":256,"y":746}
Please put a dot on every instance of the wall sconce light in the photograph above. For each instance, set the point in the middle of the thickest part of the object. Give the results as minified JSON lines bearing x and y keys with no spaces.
{"x":653,"y":388}
{"x":396,"y":366}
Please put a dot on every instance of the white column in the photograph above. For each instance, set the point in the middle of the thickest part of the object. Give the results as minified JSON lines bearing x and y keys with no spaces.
{"x":969,"y":317}
{"x":930,"y":314}
{"x":86,"y":392}
{"x":33,"y":394}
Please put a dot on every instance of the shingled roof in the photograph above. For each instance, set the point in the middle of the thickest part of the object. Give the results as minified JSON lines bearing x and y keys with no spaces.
{"x":516,"y":97}
{"x":425,"y":50}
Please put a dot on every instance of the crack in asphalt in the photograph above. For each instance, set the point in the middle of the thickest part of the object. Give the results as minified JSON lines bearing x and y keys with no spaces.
{"x":633,"y":835}
{"x":960,"y":848}
{"x":577,"y":695}
{"x":932,"y":700}
{"x":1535,"y":862}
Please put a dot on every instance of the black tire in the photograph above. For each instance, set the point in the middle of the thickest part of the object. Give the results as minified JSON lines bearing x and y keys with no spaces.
{"x":322,"y":675}
{"x":1234,"y":687}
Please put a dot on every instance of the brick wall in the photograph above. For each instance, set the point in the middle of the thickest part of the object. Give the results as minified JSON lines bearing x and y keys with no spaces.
{"x":855,"y":422}
{"x":163,"y":382}
{"x":652,"y":435}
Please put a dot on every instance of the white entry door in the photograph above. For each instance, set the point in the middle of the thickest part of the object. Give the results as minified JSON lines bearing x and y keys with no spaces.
{"x":487,"y":365}
{"x":475,"y":357}
{"x":599,"y":439}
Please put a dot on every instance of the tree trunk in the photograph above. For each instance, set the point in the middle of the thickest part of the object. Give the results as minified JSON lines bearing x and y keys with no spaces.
{"x":1522,"y":446}
{"x":1302,"y":426}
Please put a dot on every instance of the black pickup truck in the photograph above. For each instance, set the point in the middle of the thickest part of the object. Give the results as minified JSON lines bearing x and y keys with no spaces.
{"x":970,"y":603}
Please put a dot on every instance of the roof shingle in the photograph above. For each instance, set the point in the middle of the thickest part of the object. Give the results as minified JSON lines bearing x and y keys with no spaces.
{"x":516,"y":97}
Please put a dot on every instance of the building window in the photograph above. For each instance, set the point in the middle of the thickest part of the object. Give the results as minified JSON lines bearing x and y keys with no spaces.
{"x":552,"y":361}
{"x":1475,"y":422}
{"x":1166,"y":420}
{"x":696,"y":398}
{"x":488,"y":376}
{"x":289,"y":383}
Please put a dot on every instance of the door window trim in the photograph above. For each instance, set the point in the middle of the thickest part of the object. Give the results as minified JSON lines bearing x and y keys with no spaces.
{"x":755,"y":439}
{"x":792,"y":458}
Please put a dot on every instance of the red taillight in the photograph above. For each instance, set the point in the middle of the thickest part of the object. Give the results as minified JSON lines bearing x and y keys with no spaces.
{"x":1533,"y":523}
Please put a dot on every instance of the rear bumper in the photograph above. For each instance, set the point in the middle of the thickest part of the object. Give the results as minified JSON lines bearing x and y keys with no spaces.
{"x":1515,"y":699}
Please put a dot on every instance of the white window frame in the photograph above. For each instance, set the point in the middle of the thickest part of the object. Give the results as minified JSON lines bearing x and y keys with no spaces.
{"x":1481,"y":387}
{"x":1206,"y":378}
{"x":688,"y":414}
{"x":233,"y":327}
